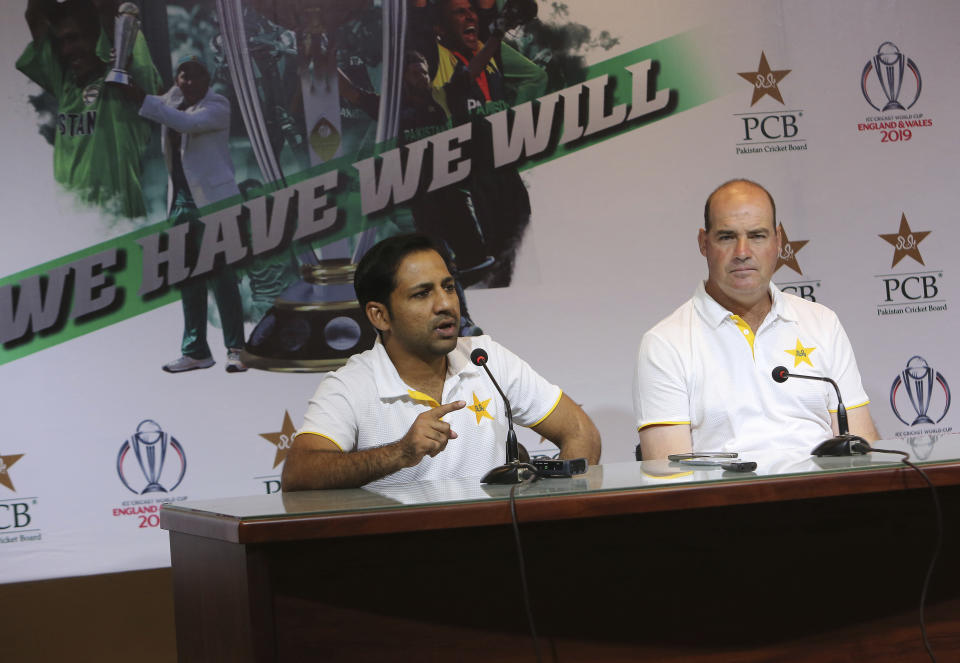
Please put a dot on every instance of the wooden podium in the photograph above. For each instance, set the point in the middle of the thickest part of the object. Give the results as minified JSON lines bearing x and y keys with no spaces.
{"x":808,"y":560}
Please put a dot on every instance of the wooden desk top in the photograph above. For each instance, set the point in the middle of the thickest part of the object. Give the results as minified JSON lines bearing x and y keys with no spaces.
{"x":612,"y":489}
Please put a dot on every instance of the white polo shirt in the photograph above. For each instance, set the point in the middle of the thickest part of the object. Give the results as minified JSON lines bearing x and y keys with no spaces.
{"x":365,"y":404}
{"x":703,"y":366}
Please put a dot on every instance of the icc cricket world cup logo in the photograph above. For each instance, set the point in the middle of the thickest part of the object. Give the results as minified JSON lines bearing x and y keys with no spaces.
{"x":890,"y":66}
{"x":918,"y":384}
{"x":150,"y":446}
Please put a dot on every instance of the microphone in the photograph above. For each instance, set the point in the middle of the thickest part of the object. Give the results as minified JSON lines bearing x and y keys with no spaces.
{"x":513,"y":471}
{"x":843,"y":444}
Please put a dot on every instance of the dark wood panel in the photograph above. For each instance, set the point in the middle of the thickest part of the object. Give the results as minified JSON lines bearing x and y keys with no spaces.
{"x":834,"y":578}
{"x":110,"y":618}
{"x":223,"y":602}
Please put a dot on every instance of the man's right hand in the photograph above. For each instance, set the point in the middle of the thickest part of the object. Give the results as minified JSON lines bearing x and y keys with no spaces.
{"x":429,"y":434}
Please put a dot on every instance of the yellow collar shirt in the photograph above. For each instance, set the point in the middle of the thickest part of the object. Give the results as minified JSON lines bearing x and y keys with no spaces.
{"x":366,"y":404}
{"x":703,"y":366}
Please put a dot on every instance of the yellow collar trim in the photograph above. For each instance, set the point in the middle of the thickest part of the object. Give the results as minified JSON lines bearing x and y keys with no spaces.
{"x":421,"y":397}
{"x":745,"y":330}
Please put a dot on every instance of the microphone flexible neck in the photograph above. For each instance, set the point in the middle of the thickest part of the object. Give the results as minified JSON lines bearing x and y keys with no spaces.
{"x":843,"y":426}
{"x":506,"y":401}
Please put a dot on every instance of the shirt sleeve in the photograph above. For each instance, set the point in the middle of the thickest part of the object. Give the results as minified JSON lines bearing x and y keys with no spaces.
{"x":532,"y":397}
{"x":330,"y":413}
{"x":526,"y":79}
{"x":38,"y":63}
{"x":142,"y":68}
{"x":660,"y":392}
{"x":213,"y":116}
{"x":844,"y":370}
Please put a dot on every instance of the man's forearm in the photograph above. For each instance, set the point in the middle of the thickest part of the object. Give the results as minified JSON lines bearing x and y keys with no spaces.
{"x":36,"y":15}
{"x":215,"y":117}
{"x":312,"y":469}
{"x":860,"y":422}
{"x":479,"y":61}
{"x":569,"y":427}
{"x":582,"y":448}
{"x":579,"y":438}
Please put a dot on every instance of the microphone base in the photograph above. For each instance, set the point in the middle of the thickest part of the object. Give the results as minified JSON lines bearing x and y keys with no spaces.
{"x":842,"y":445}
{"x":510,"y":473}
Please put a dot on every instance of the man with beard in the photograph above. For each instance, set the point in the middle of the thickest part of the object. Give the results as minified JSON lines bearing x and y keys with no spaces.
{"x":415,"y":408}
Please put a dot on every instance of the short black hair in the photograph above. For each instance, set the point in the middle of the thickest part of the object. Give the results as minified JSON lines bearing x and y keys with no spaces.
{"x":741,"y":180}
{"x":412,"y":56}
{"x":376,"y":275}
{"x":194,"y":63}
{"x":81,"y":11}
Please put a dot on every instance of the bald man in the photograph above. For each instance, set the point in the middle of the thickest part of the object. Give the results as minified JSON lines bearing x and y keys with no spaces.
{"x":703,"y":379}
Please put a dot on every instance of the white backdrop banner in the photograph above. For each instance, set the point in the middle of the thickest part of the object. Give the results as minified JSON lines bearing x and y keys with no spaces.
{"x":568,"y":188}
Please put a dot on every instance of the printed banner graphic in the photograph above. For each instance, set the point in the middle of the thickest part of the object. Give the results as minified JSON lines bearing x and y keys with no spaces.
{"x":191,"y":183}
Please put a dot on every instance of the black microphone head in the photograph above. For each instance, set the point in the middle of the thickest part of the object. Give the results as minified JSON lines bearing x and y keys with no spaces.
{"x":780,"y":374}
{"x":479,"y":356}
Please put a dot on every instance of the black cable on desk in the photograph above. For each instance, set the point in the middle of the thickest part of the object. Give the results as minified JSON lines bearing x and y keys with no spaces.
{"x":523,"y":569}
{"x":936,"y":548}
